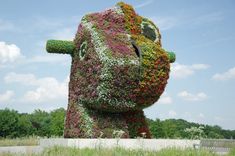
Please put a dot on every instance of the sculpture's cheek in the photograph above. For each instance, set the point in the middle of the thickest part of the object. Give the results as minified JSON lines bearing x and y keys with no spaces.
{"x":115,"y":89}
{"x":125,"y":82}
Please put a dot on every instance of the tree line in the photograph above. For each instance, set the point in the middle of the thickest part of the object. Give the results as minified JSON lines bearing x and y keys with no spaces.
{"x":38,"y":123}
{"x":179,"y":128}
{"x":47,"y":124}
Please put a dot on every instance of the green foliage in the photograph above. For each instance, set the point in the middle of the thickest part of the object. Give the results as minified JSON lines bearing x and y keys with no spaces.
{"x":61,"y":47}
{"x":25,"y":128}
{"x":9,"y":123}
{"x":149,"y":32}
{"x":231,"y":152}
{"x":82,"y":50}
{"x":195,"y":132}
{"x":178,"y":128}
{"x":41,"y":123}
{"x":171,"y":56}
{"x":57,"y":122}
{"x":156,"y":128}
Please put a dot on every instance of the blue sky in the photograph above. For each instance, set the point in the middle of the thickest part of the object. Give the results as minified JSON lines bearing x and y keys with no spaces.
{"x":202,"y":83}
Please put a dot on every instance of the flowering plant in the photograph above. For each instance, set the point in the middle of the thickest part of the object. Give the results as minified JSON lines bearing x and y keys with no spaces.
{"x":118,"y":68}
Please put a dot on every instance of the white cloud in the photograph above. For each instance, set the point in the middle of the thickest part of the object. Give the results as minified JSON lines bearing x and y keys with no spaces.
{"x":57,"y":59}
{"x":165,"y":99}
{"x":179,"y":71}
{"x":7,"y":96}
{"x":26,"y":79}
{"x":143,"y":4}
{"x":192,"y":97}
{"x":47,"y":88}
{"x":200,"y":66}
{"x":230,"y":74}
{"x":172,"y":114}
{"x":9,"y":52}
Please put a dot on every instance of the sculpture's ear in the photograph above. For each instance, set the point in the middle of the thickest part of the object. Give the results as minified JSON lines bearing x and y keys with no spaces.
{"x":171,"y":56}
{"x":60,"y":47}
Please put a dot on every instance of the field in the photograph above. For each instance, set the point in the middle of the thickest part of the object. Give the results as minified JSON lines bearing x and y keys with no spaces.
{"x":66,"y":151}
{"x":24,"y":141}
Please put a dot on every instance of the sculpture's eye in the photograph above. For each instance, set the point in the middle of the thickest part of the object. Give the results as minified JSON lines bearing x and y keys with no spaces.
{"x":149,"y":30}
{"x":82,"y":50}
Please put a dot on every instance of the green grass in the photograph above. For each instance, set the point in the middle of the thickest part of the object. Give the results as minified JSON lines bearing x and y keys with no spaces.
{"x":232,"y":152}
{"x":26,"y":141}
{"x":68,"y":151}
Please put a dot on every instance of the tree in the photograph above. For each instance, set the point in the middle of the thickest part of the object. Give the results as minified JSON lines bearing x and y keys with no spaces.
{"x":169,"y":128}
{"x":9,"y":123}
{"x":25,"y":125}
{"x":214,"y":135}
{"x":156,"y":128}
{"x":195,"y":132}
{"x":57,"y":122}
{"x":41,"y":121}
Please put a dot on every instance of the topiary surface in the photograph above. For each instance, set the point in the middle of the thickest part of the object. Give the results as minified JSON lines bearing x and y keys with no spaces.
{"x":118,"y":68}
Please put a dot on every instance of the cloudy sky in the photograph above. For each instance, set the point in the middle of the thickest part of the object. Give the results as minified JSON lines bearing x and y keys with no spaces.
{"x":202,"y":83}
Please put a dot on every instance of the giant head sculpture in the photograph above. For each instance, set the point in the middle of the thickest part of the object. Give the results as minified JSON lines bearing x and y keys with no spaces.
{"x":118,"y":68}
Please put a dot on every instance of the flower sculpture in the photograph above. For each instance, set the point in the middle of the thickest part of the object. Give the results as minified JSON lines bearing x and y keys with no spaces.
{"x":118,"y":68}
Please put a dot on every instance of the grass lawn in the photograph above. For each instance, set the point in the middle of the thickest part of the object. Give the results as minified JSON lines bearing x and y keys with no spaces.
{"x":124,"y":152}
{"x":68,"y":151}
{"x":27,"y":141}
